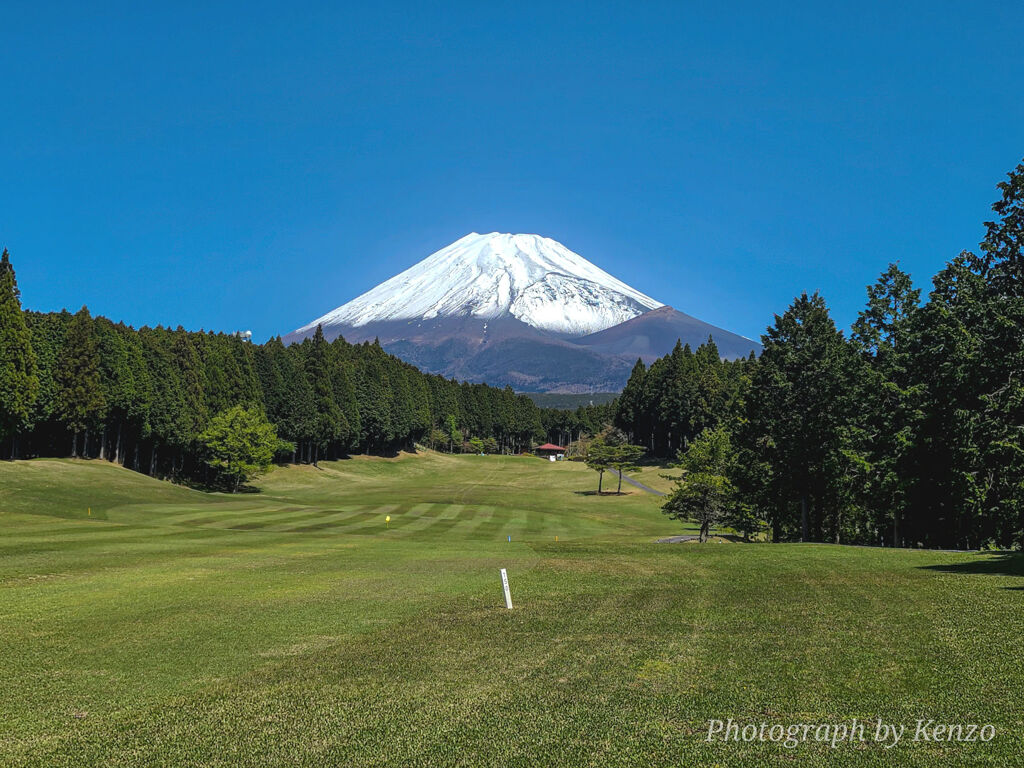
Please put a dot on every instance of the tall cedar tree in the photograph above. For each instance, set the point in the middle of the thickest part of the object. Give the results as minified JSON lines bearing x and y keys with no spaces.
{"x":798,"y":405}
{"x":19,"y":381}
{"x":329,"y":421}
{"x":888,"y":408}
{"x":80,"y":400}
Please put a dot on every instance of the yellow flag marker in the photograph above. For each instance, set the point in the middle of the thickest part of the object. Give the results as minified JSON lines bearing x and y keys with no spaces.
{"x":387,"y":521}
{"x":90,"y":511}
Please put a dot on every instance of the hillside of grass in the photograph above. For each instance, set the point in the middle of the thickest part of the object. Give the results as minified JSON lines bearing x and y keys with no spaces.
{"x":291,"y":626}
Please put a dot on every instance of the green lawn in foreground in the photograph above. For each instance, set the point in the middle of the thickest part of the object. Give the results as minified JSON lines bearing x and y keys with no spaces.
{"x":175,"y":628}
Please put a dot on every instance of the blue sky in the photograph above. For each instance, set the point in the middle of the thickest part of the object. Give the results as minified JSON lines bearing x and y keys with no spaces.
{"x":251,"y":165}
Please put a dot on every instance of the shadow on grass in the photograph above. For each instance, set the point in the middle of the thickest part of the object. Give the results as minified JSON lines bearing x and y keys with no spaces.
{"x":664,"y":462}
{"x":603,"y":493}
{"x":992,"y":564}
{"x":205,"y":486}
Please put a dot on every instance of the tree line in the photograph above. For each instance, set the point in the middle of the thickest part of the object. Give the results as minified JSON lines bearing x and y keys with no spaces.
{"x":73,"y":384}
{"x":907,"y":431}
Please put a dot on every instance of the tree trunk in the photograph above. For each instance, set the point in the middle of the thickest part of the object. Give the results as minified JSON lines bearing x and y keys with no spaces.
{"x":600,"y":479}
{"x":103,"y":443}
{"x":895,"y":528}
{"x":117,"y":452}
{"x":704,"y":526}
{"x":619,"y":489}
{"x":804,"y":522}
{"x":74,"y":445}
{"x":85,"y":445}
{"x":152,"y":461}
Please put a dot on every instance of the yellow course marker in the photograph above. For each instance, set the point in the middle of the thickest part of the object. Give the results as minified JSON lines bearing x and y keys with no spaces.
{"x":90,"y":511}
{"x":387,"y":521}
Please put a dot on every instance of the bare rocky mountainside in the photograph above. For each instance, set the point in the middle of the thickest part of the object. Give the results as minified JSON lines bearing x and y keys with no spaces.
{"x":521,"y":310}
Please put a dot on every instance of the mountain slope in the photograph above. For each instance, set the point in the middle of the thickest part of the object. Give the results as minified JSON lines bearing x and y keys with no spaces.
{"x":528,"y":277}
{"x":518,"y":310}
{"x":652,"y":334}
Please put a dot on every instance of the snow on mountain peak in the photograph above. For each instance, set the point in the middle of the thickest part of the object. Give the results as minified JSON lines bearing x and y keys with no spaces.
{"x":532,"y":278}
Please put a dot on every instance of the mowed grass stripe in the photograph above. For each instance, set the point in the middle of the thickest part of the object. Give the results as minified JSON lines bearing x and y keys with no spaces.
{"x":416,"y":515}
{"x":354,"y":523}
{"x":176,"y":514}
{"x":219,"y":517}
{"x":467,"y":528}
{"x":430,"y":515}
{"x":298,"y":521}
{"x":288,"y":520}
{"x":443,"y":518}
{"x":329,"y":521}
{"x":457,"y":514}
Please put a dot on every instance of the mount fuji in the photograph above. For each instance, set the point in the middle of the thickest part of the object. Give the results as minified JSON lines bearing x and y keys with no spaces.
{"x":521,"y":310}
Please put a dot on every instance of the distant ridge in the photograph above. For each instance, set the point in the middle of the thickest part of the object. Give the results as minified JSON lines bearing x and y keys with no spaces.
{"x":652,"y":334}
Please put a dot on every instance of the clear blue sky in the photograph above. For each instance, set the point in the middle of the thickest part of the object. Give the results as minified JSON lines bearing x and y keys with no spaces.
{"x":252,"y":165}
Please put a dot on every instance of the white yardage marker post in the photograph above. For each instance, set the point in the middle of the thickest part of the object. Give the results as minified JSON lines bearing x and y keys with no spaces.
{"x":508,"y":595}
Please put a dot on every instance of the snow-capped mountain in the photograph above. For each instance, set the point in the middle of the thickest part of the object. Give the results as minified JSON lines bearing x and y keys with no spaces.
{"x":521,"y":310}
{"x":531,"y":278}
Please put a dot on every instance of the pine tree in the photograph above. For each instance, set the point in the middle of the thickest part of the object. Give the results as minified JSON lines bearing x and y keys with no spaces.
{"x":887,"y":413}
{"x":80,"y":401}
{"x":631,"y":405}
{"x":329,"y":421}
{"x":19,"y":382}
{"x":343,"y":379}
{"x":797,"y":408}
{"x":194,"y":415}
{"x":704,"y":492}
{"x":372,"y":388}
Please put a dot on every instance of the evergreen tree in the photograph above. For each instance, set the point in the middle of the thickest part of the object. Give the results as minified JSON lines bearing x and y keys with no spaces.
{"x":345,"y":393}
{"x":887,"y":411}
{"x":80,"y":401}
{"x":625,"y":458}
{"x":166,"y":417}
{"x":632,"y":404}
{"x":328,"y":420}
{"x":19,"y":382}
{"x":798,"y":406}
{"x":190,"y":375}
{"x":125,"y":383}
{"x":372,"y":390}
{"x":704,"y":492}
{"x":600,"y":455}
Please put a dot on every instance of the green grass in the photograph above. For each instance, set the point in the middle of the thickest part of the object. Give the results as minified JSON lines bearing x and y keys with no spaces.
{"x":289,"y":627}
{"x":652,"y":475}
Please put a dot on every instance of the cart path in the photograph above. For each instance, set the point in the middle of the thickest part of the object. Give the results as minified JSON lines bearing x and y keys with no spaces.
{"x":636,"y":483}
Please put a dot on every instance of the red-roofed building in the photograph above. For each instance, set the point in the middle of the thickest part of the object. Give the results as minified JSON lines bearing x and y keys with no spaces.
{"x":550,"y":450}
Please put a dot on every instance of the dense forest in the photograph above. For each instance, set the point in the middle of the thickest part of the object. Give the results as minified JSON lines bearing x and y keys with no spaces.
{"x":83,"y":386}
{"x":908,"y":431}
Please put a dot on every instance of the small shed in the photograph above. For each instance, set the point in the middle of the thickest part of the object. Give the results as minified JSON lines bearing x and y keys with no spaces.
{"x":551,"y":451}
